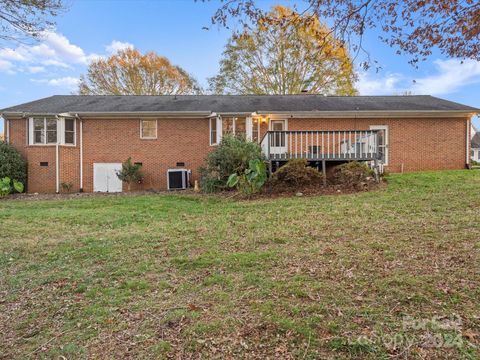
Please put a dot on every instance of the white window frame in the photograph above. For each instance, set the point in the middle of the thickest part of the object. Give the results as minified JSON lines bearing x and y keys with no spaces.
{"x":387,"y":140}
{"x":141,"y":130}
{"x":62,"y":134}
{"x":217,"y":139}
{"x":60,"y":131}
{"x":32,"y":131}
{"x":248,"y":128}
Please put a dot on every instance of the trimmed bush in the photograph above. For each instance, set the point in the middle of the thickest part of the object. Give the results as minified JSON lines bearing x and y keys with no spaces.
{"x":231,"y":156}
{"x":296,"y":174}
{"x":130,"y":173}
{"x":352,"y":174}
{"x":12,"y":164}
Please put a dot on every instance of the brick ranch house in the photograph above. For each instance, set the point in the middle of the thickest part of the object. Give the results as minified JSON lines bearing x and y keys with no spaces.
{"x":82,"y":140}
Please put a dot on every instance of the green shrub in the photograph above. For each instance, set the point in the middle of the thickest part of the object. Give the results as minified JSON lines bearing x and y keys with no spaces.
{"x":12,"y":164}
{"x":252,"y":179}
{"x":352,"y":174}
{"x":295,"y":174}
{"x":66,"y":186}
{"x":231,"y":156}
{"x":130,"y":173}
{"x":7,"y":186}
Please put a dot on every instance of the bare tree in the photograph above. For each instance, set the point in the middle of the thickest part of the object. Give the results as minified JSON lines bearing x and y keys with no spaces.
{"x":24,"y":19}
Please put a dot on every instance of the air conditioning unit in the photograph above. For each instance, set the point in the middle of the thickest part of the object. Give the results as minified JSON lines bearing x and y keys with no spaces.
{"x":178,"y":179}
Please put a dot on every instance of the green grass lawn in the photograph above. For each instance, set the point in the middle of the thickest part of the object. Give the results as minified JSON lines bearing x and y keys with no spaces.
{"x":391,"y":273}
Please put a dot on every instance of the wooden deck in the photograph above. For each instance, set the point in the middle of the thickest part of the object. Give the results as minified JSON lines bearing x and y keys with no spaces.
{"x":359,"y":145}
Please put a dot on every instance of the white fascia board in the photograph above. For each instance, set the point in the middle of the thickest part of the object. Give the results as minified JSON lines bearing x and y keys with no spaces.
{"x":23,"y":115}
{"x":235,"y":113}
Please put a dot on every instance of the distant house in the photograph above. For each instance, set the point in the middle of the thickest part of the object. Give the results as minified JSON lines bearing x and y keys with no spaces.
{"x":83,"y":140}
{"x":475,"y":147}
{"x":2,"y":137}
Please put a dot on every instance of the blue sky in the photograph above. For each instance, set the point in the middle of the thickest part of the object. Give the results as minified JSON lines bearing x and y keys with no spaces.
{"x":92,"y":28}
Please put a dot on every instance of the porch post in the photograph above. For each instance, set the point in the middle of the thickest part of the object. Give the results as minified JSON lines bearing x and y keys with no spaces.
{"x":324,"y":172}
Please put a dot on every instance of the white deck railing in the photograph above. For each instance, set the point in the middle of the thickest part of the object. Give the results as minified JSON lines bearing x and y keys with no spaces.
{"x":321,"y":145}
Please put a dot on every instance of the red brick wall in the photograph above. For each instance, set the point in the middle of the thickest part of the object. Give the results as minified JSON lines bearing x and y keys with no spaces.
{"x":42,"y":179}
{"x":178,"y":140}
{"x":418,"y":144}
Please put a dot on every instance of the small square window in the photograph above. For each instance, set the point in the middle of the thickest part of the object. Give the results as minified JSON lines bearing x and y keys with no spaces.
{"x":44,"y":163}
{"x":148,"y":129}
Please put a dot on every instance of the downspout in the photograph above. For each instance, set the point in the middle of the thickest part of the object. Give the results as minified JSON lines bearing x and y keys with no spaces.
{"x":57,"y":165}
{"x":467,"y":142}
{"x":81,"y":152}
{"x":7,"y":131}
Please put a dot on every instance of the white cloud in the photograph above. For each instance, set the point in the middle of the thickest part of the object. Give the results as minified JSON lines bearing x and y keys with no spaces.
{"x":67,"y":82}
{"x":11,"y":54}
{"x":53,"y":50}
{"x":35,"y":69}
{"x":116,"y":46}
{"x":448,"y":77}
{"x":62,"y":48}
{"x":6,"y":66}
{"x":369,"y":85}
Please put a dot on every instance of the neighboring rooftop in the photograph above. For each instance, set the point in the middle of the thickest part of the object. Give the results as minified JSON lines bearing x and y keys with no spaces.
{"x":235,"y":103}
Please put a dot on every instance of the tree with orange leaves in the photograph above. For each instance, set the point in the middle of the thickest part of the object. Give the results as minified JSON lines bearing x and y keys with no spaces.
{"x":128,"y":72}
{"x":413,"y":27}
{"x":285,"y":55}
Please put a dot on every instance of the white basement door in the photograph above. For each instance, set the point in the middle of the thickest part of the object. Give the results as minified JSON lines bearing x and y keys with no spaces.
{"x":105,"y":177}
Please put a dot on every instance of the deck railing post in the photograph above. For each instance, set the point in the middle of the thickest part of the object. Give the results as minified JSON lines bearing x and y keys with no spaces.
{"x":324,"y":172}
{"x":268,"y":147}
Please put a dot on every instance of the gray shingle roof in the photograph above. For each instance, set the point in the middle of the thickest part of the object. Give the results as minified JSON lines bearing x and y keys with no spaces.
{"x":475,"y":143}
{"x":236,"y":103}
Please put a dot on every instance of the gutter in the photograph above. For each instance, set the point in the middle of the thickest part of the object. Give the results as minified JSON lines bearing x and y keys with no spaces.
{"x":140,"y":114}
{"x":371,"y":114}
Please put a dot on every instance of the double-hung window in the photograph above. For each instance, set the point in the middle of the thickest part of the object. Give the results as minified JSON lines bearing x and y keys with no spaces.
{"x":44,"y":131}
{"x":234,"y":126}
{"x":148,"y":129}
{"x":213,"y":131}
{"x":49,"y":131}
{"x":70,"y":131}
